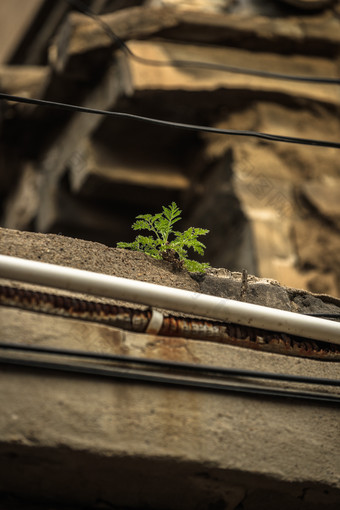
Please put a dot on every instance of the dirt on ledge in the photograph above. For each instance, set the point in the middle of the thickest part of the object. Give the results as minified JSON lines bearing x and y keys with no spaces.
{"x":91,"y":256}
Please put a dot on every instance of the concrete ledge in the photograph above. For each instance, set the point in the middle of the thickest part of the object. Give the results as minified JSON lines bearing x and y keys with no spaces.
{"x":141,"y":444}
{"x":104,"y":443}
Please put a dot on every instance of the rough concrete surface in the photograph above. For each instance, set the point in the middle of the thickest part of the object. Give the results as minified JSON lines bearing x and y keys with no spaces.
{"x":95,"y":442}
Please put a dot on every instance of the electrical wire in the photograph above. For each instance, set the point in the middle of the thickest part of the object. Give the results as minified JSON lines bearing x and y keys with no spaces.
{"x":175,"y":365}
{"x":168,"y":123}
{"x":80,"y":6}
{"x":328,"y":315}
{"x":160,"y":379}
{"x":181,"y":382}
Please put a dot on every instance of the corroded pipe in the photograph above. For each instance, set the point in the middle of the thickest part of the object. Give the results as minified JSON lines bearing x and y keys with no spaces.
{"x":140,"y":320}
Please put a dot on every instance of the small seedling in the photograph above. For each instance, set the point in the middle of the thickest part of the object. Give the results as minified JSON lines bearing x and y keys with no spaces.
{"x":159,"y":245}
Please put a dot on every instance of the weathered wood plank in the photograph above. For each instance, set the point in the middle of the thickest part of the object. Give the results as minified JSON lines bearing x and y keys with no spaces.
{"x":28,"y":81}
{"x":22,"y":207}
{"x":80,"y":126}
{"x":96,"y":171}
{"x":169,"y":77}
{"x":306,"y":35}
{"x":17,"y":15}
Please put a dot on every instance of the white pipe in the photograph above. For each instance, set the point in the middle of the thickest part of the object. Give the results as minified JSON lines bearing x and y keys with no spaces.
{"x":184,"y":301}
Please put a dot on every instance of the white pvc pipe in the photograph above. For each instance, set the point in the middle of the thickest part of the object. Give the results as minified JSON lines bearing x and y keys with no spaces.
{"x":211,"y":307}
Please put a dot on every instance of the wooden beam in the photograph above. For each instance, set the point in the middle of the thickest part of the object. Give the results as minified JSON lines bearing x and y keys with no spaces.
{"x":301,"y":34}
{"x":95,"y":164}
{"x":28,"y":81}
{"x":169,"y":77}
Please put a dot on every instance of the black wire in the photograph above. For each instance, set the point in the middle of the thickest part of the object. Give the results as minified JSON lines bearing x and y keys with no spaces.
{"x":80,"y":6}
{"x":179,"y":125}
{"x":329,"y":315}
{"x":177,"y":381}
{"x":157,"y":363}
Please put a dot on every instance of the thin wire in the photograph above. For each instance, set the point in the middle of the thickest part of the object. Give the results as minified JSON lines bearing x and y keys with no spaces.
{"x":177,"y":381}
{"x":167,"y":123}
{"x":177,"y":365}
{"x":80,"y":6}
{"x":329,"y":315}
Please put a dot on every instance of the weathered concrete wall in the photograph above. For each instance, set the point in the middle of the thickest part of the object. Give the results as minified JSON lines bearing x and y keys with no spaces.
{"x":77,"y":439}
{"x":171,"y":447}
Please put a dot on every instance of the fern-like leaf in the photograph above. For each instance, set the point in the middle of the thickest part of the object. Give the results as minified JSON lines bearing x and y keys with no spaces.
{"x":161,"y":225}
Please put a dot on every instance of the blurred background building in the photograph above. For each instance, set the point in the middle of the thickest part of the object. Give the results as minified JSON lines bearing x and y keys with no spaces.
{"x":272,"y":208}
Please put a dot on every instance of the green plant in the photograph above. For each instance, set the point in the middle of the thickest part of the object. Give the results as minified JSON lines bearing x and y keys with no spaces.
{"x":159,"y":245}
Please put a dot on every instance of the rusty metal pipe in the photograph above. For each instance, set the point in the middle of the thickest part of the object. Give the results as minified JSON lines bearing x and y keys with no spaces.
{"x":169,"y":298}
{"x":153,"y":322}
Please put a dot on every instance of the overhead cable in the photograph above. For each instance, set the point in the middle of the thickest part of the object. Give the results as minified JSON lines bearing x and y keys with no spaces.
{"x":168,"y":123}
{"x":80,"y":6}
